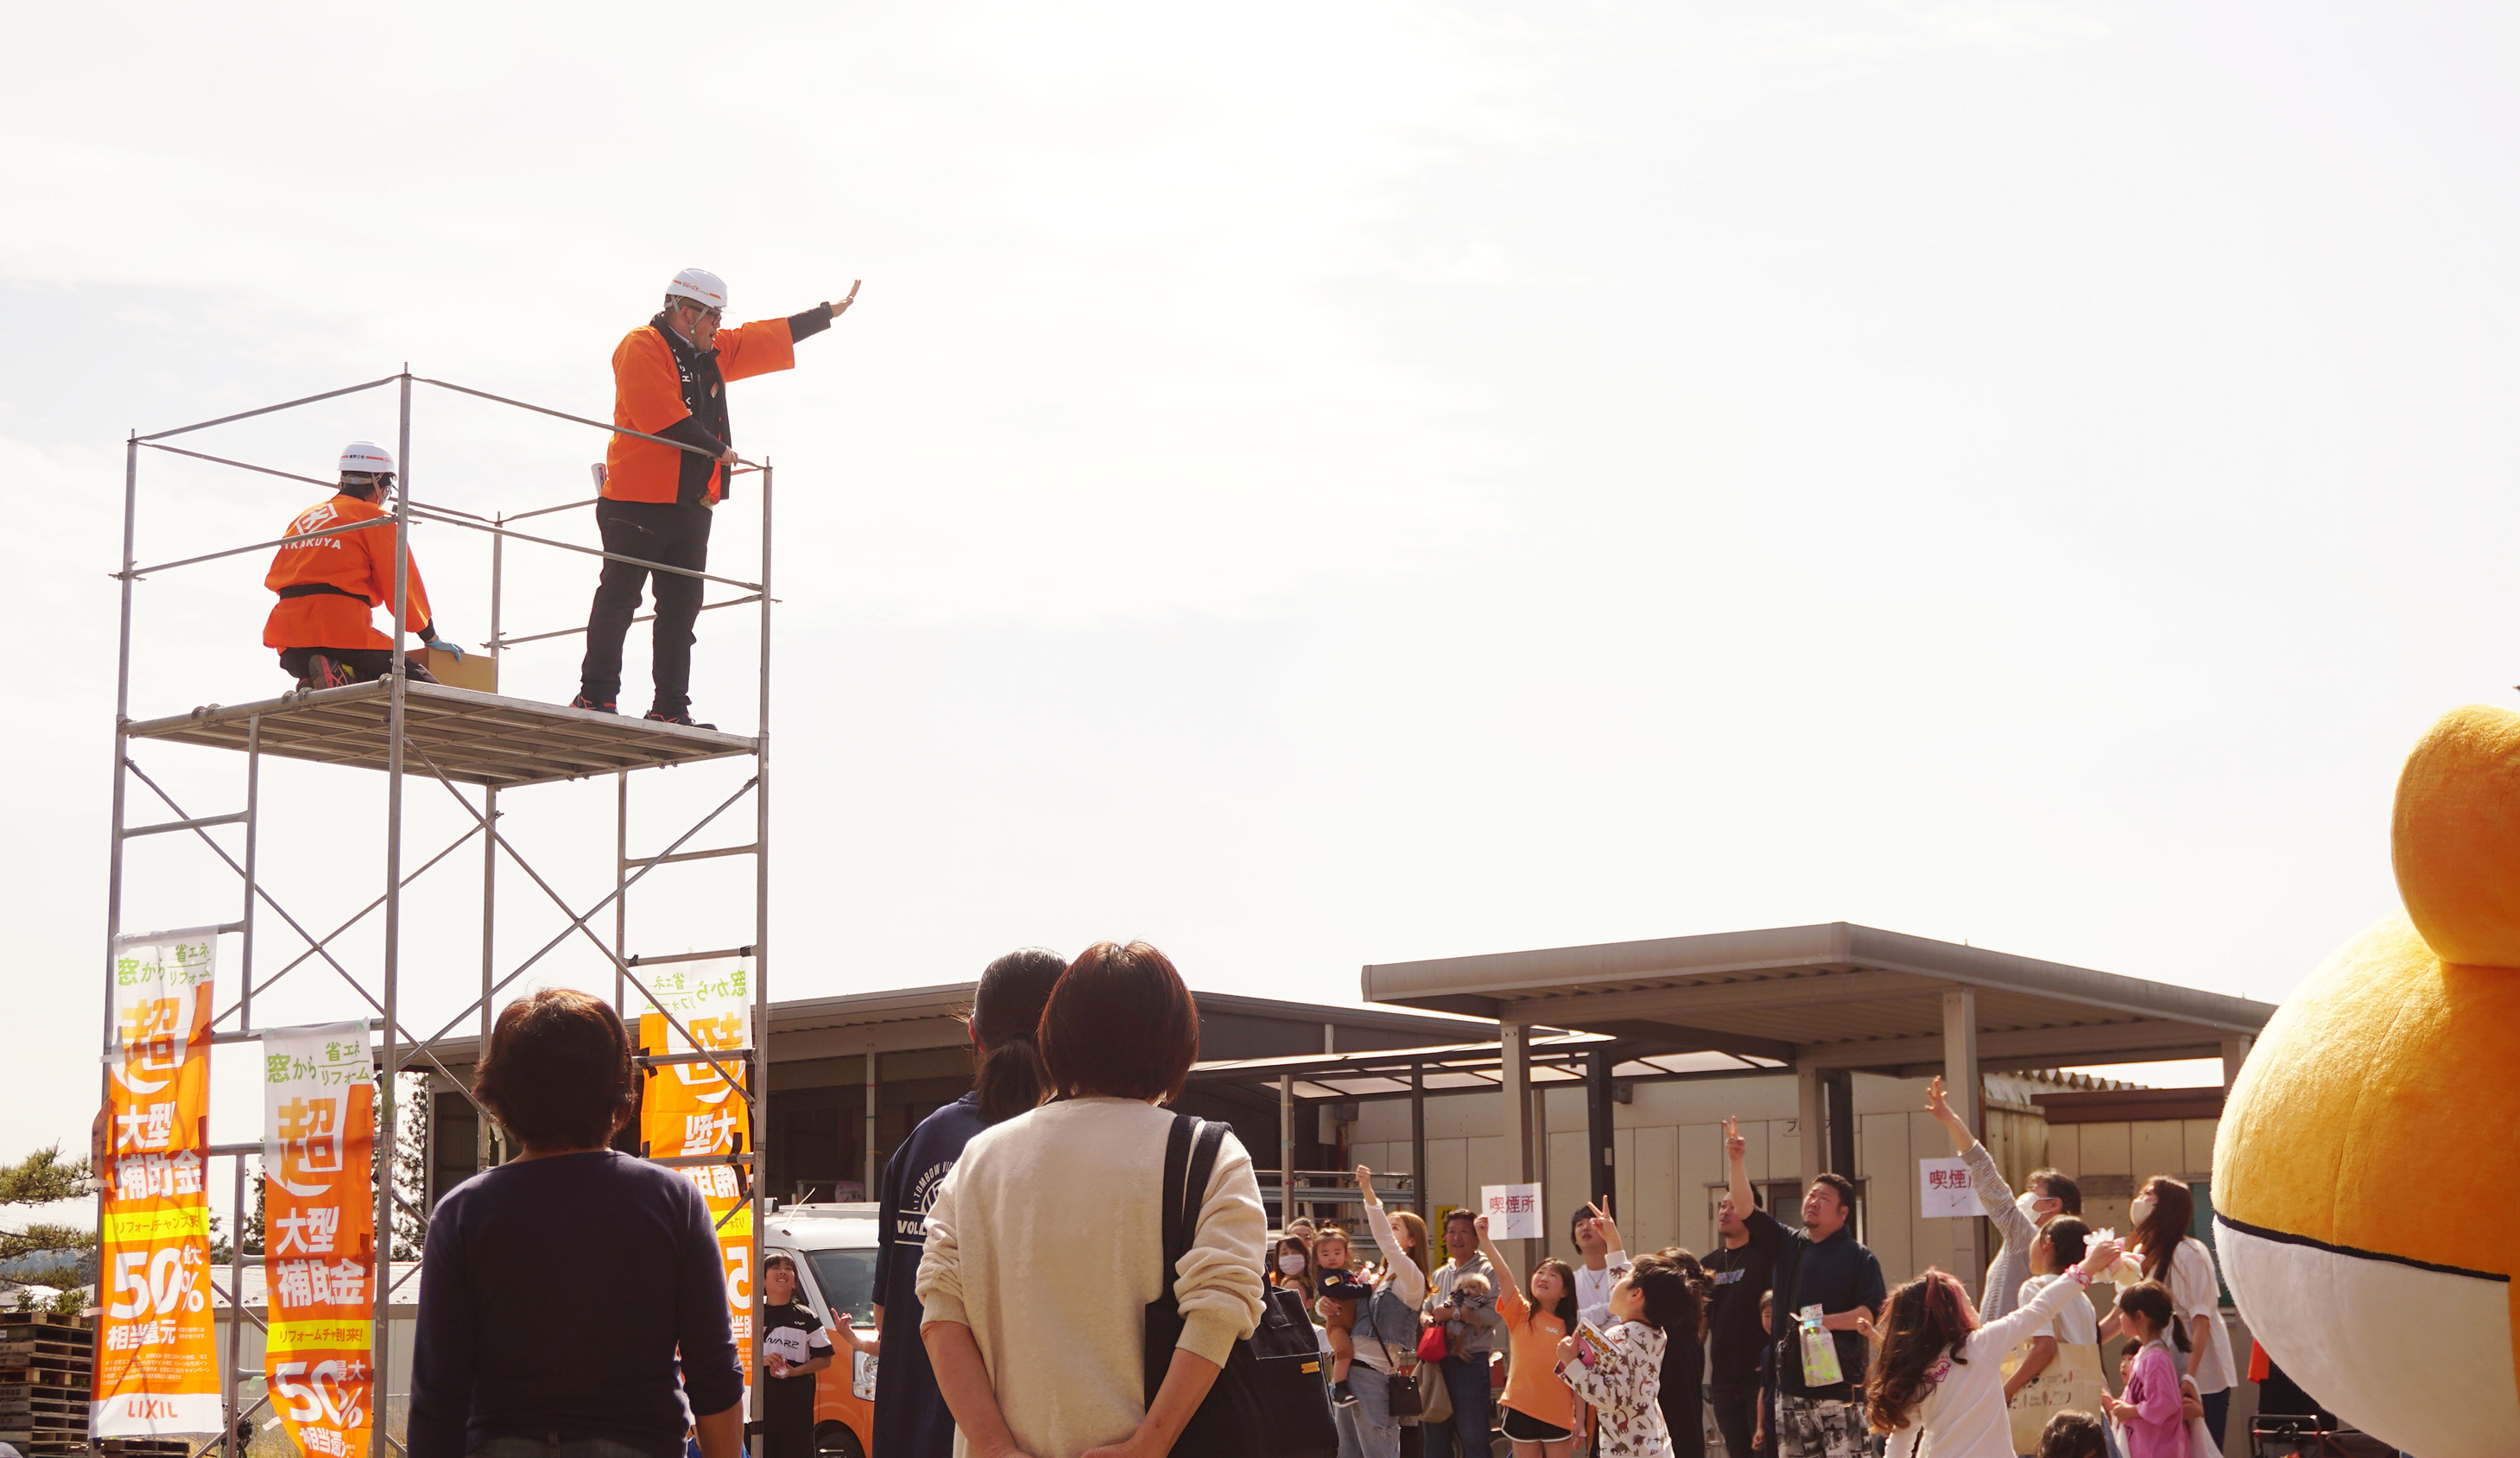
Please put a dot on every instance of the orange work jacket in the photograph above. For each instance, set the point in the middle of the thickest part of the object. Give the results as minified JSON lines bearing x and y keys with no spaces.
{"x":658,"y":382}
{"x":358,"y":565}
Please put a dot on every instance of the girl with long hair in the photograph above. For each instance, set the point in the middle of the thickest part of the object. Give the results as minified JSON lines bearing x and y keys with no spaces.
{"x":1541,"y":1413}
{"x":910,"y":1418}
{"x":2164,"y":1212}
{"x":1937,"y":1380}
{"x":1384,"y":1336}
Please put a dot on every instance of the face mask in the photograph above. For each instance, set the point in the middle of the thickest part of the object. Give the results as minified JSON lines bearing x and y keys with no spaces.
{"x":2028,"y":1203}
{"x":2141,"y":1210}
{"x":1292,"y":1265}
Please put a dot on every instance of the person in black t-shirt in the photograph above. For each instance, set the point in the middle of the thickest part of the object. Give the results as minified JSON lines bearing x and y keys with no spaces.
{"x":1742,"y":1270}
{"x":794,"y":1348}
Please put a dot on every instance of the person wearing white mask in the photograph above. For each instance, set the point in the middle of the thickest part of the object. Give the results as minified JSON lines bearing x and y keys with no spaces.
{"x":2164,"y":1211}
{"x":2016,"y":1219}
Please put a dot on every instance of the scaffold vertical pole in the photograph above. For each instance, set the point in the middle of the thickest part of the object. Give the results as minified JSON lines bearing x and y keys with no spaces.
{"x":388,"y":1142}
{"x":762,"y":927}
{"x":621,"y":901}
{"x":114,"y":857}
{"x":489,"y":947}
{"x":497,"y":648}
{"x":253,"y":845}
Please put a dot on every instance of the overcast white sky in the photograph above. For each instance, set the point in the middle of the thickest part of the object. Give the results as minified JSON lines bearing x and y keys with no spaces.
{"x":1332,"y":484}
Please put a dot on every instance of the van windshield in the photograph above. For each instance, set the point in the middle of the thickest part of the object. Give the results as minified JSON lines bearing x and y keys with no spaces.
{"x":846,"y":1279}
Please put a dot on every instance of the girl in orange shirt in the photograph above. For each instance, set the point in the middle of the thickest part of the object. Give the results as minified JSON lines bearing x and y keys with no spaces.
{"x":1541,"y":1412}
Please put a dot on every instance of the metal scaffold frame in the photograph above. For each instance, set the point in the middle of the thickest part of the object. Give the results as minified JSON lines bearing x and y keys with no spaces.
{"x":456,"y":735}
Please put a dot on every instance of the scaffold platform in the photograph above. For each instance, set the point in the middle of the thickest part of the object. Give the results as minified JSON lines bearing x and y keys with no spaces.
{"x":479,"y":739}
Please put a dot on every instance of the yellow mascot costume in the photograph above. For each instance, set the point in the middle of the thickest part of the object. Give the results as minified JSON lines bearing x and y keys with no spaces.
{"x":2366,"y":1182}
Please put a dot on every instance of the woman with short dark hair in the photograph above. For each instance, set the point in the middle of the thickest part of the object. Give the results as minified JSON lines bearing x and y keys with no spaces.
{"x":1044,"y":1243}
{"x":498,"y":1371}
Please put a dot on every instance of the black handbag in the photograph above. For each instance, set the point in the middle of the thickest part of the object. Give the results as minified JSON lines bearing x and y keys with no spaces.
{"x":1270,"y":1400}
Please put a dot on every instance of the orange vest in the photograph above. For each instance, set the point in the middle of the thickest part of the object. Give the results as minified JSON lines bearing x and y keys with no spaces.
{"x":647,"y":395}
{"x":359,"y":564}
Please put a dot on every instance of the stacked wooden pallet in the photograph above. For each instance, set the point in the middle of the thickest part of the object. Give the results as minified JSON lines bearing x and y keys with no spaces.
{"x":46,"y":1366}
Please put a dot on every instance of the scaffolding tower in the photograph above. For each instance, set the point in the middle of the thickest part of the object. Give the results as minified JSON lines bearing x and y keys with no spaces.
{"x":453,"y":738}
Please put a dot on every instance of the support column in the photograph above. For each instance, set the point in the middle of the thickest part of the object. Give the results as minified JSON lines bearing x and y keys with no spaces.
{"x":1285,"y":1150}
{"x":1513,"y":1043}
{"x":1417,"y":1138}
{"x":1967,"y":1094}
{"x":1600,"y":1143}
{"x":871,"y":1066}
{"x":1811,"y":1126}
{"x":2235,"y":1052}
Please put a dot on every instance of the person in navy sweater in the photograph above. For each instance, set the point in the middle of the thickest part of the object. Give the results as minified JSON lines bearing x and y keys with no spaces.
{"x":498,"y":1371}
{"x":911,"y":1418}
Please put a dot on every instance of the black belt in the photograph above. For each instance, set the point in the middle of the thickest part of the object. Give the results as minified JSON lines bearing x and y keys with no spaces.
{"x":320,"y":589}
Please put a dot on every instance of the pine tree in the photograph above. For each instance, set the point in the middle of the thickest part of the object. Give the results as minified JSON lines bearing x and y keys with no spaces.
{"x":62,"y":1255}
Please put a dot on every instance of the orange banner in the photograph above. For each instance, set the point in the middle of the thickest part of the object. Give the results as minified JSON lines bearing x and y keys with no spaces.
{"x":691,"y":1109}
{"x":156,"y":1362}
{"x":319,"y":1234}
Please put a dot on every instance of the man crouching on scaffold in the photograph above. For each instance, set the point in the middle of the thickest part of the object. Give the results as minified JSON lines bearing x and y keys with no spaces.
{"x":328,"y":585}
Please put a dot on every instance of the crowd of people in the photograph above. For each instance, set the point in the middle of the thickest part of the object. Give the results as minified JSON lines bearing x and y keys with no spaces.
{"x":1026,"y":1251}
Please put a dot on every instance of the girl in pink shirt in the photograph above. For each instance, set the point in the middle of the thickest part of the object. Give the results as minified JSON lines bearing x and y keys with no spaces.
{"x":2155,"y":1420}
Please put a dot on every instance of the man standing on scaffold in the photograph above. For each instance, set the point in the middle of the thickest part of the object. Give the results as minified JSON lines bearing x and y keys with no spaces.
{"x":328,"y":586}
{"x":669,"y":379}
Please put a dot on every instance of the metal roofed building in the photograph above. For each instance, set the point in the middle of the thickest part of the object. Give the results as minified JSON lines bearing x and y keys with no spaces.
{"x":1823,"y":1003}
{"x":852,"y":1074}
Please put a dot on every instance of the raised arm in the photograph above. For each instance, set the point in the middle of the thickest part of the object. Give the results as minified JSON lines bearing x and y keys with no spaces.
{"x":1994,"y":1194}
{"x":1737,"y":1166}
{"x":1406,"y":1277}
{"x":1507,"y":1278}
{"x":2006,"y":1332}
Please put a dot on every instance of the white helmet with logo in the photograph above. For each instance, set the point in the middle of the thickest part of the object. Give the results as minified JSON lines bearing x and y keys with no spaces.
{"x":700,"y":285}
{"x":366,"y":458}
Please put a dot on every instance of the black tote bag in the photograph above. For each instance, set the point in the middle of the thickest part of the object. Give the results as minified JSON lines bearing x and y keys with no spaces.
{"x":1270,"y":1400}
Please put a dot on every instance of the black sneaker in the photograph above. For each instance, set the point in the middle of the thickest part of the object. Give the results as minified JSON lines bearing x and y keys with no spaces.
{"x":682,"y":720}
{"x":1340,"y":1396}
{"x":583,"y":702}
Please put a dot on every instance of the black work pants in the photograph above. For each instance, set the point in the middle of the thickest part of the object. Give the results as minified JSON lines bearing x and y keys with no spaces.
{"x":1736,"y":1414}
{"x":676,"y":536}
{"x":366,"y":665}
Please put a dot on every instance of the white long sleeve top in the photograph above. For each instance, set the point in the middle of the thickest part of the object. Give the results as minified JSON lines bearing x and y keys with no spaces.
{"x":1047,"y":1240}
{"x":1403,"y":1280}
{"x":1964,"y":1413}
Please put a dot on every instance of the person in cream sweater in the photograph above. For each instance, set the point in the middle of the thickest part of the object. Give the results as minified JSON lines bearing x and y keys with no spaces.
{"x":1044,"y":1243}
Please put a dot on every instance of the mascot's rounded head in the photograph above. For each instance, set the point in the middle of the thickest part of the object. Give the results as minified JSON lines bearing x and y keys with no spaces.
{"x":2364,"y":1174}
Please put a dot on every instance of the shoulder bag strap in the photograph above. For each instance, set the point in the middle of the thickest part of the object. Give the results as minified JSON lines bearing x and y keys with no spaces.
{"x":1175,"y":1175}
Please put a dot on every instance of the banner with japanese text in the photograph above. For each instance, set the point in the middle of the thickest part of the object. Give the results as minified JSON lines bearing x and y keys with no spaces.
{"x":319,"y":1234}
{"x":691,"y":1111}
{"x":157,"y":1363}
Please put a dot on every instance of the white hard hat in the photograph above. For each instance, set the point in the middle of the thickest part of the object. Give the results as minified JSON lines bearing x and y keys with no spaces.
{"x":366,"y":458}
{"x":700,"y":285}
